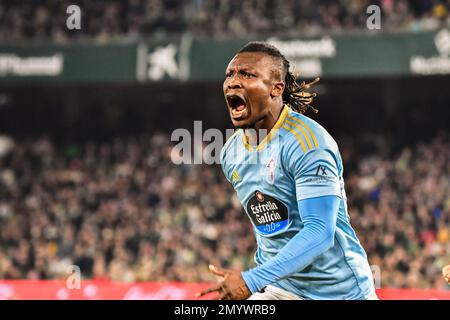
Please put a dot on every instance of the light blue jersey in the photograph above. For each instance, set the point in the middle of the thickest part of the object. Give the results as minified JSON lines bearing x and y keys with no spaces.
{"x":297,"y":161}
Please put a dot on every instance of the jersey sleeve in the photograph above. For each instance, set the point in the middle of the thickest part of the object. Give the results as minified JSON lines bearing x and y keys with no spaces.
{"x":315,"y":172}
{"x":223,"y":164}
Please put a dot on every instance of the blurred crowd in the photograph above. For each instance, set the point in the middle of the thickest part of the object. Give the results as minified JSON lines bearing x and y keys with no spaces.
{"x":120,"y":211}
{"x":400,"y":209}
{"x":123,"y":211}
{"x":104,"y":20}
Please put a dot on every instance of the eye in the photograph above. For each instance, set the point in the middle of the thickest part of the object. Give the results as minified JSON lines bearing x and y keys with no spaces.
{"x":246,"y":74}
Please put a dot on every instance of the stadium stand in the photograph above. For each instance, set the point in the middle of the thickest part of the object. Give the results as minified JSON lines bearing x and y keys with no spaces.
{"x":123,"y":211}
{"x":96,"y":194}
{"x":131,"y":19}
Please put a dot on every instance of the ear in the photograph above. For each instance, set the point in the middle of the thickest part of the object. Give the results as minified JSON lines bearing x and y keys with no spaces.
{"x":277,"y":89}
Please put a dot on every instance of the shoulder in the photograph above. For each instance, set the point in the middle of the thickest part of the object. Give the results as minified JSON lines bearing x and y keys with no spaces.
{"x":306,"y":142}
{"x":307,"y":133}
{"x":230,"y":142}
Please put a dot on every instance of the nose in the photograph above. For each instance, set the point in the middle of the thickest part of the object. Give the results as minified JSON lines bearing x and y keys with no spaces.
{"x":233,"y":83}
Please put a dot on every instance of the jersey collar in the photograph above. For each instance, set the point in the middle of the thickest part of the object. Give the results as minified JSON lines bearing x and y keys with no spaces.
{"x":270,"y":135}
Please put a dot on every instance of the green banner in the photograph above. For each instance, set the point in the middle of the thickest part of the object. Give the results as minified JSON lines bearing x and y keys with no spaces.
{"x":74,"y":63}
{"x":185,"y":58}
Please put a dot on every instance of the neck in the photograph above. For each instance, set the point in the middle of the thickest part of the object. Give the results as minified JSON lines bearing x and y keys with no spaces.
{"x":262,"y":127}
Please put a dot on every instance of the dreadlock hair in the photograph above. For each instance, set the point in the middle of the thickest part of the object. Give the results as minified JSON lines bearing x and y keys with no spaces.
{"x":294,"y":94}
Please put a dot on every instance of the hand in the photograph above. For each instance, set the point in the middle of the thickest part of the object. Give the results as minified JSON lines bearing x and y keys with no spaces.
{"x":446,"y":273}
{"x":232,"y":287}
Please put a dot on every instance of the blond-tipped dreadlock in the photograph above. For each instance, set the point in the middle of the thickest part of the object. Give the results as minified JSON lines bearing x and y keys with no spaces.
{"x":294,"y":94}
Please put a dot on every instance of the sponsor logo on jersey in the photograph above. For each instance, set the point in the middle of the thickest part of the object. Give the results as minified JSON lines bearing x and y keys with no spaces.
{"x":321,"y":170}
{"x":259,"y":196}
{"x":268,"y":214}
{"x":235,"y":176}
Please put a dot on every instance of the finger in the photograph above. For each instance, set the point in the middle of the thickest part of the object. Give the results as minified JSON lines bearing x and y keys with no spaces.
{"x":223,"y":296}
{"x":209,"y":290}
{"x":217,"y":271}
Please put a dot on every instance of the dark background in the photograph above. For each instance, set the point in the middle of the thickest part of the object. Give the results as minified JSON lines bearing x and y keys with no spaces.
{"x":405,"y":109}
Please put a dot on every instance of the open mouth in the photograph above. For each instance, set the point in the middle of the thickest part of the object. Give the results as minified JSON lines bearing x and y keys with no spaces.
{"x":237,"y":105}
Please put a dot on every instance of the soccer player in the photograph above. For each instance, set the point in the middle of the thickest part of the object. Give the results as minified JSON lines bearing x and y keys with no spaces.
{"x":290,"y":182}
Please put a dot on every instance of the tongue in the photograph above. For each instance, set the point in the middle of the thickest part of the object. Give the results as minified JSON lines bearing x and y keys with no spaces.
{"x":240,"y":107}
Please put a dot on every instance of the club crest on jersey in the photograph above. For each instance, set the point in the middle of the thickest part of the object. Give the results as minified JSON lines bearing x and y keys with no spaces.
{"x":269,"y":215}
{"x":270,"y":171}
